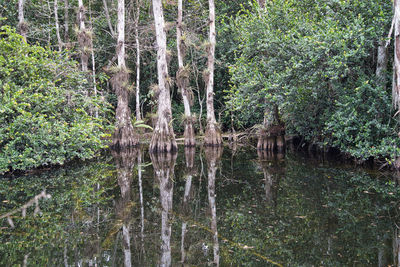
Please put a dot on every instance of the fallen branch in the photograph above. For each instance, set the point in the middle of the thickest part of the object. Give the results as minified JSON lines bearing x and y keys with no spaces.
{"x":23,"y":208}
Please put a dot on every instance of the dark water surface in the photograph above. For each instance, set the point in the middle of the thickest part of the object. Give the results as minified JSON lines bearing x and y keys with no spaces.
{"x":203,"y":207}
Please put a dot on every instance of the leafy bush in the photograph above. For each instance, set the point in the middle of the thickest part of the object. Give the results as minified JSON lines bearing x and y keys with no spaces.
{"x":45,"y":110}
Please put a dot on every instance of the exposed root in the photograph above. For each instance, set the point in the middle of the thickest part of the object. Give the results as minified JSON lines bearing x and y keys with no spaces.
{"x":163,"y":139}
{"x":124,"y":135}
{"x":213,"y":135}
{"x":189,"y":134}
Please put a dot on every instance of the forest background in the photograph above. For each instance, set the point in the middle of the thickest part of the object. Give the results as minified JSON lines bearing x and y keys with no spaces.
{"x":321,"y":68}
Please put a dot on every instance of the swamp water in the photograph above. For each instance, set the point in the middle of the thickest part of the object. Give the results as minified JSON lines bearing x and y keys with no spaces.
{"x":203,"y":208}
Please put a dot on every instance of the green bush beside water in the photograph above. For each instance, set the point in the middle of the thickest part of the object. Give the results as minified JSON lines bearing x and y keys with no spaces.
{"x":46,"y":117}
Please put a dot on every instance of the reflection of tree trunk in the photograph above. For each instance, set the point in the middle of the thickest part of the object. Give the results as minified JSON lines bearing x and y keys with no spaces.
{"x":213,"y":155}
{"x":125,"y":161}
{"x":396,"y":247}
{"x":189,"y":155}
{"x":264,"y":158}
{"x":141,"y":199}
{"x":163,"y":164}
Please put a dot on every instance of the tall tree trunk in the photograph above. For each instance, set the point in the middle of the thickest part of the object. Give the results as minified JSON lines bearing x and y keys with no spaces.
{"x":60,"y":43}
{"x":22,"y":25}
{"x":163,"y":138}
{"x":124,"y":135}
{"x":66,"y":21}
{"x":382,"y":62}
{"x":213,"y":133}
{"x":182,"y":80}
{"x":138,"y":116}
{"x":108,"y":18}
{"x":96,"y":111}
{"x":396,"y":67}
{"x":84,"y":38}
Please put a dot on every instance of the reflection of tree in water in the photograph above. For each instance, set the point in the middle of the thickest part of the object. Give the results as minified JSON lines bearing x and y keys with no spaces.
{"x":213,"y":155}
{"x":163,"y":164}
{"x":190,"y":171}
{"x":272,"y":165}
{"x":125,"y":162}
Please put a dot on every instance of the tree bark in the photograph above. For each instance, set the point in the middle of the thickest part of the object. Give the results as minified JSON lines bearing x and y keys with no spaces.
{"x":261,"y":3}
{"x":60,"y":43}
{"x":382,"y":62}
{"x":182,"y":79}
{"x":163,"y":138}
{"x":213,"y":133}
{"x":108,"y":18}
{"x":84,"y":38}
{"x":124,"y":135}
{"x":66,"y":21}
{"x":138,"y":116}
{"x":396,"y":67}
{"x":22,"y":25}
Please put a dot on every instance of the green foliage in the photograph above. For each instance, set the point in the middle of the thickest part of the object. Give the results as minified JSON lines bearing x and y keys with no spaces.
{"x":45,"y":115}
{"x":314,"y":59}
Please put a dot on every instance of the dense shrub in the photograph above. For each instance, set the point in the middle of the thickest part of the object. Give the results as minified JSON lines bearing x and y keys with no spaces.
{"x":45,"y":109}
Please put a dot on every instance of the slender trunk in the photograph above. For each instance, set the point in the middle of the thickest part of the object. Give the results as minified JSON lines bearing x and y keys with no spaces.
{"x":213,"y":134}
{"x":163,"y":138}
{"x":182,"y":80}
{"x":96,"y":111}
{"x":60,"y":43}
{"x":382,"y":62}
{"x":396,"y":67}
{"x":108,"y":18}
{"x":83,"y":37}
{"x":138,"y":116}
{"x":22,"y":25}
{"x":66,"y":21}
{"x":124,"y":135}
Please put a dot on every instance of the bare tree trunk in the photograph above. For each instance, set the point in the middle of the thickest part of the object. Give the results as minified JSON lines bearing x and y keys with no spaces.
{"x":60,"y":43}
{"x":382,"y":62}
{"x":108,"y":18}
{"x":182,"y":80}
{"x":96,"y":111}
{"x":22,"y":25}
{"x":66,"y":21}
{"x":124,"y":135}
{"x":138,"y":116}
{"x":213,"y":133}
{"x":396,"y":67}
{"x":163,"y":138}
{"x":84,"y":38}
